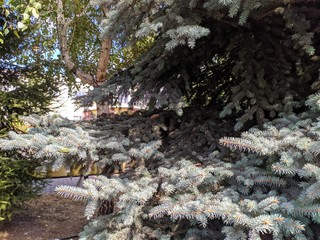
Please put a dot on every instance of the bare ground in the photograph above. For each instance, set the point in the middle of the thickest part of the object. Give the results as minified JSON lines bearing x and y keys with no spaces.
{"x":47,"y":217}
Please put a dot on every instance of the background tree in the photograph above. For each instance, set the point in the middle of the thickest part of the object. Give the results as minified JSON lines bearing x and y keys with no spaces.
{"x":27,"y":82}
{"x":69,"y":29}
{"x":25,"y":88}
{"x":17,"y":16}
{"x":87,"y":56}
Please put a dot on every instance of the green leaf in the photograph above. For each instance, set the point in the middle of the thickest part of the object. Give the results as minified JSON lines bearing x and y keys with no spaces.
{"x":21,"y":25}
{"x":25,"y":16}
{"x":16,"y":33}
{"x":4,"y":205}
{"x":37,"y":5}
{"x":64,"y":150}
{"x":6,"y":12}
{"x":35,"y":13}
{"x":6,"y":31}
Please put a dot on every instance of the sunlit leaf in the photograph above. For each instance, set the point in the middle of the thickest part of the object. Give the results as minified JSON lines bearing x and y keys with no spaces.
{"x":16,"y":33}
{"x":21,"y":25}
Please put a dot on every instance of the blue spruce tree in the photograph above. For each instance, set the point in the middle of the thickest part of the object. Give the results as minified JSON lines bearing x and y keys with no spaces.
{"x":182,"y":169}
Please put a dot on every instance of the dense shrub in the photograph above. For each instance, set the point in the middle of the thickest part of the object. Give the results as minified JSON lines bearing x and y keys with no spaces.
{"x":17,"y":184}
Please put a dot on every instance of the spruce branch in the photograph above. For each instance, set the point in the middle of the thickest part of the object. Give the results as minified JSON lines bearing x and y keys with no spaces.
{"x":242,"y":145}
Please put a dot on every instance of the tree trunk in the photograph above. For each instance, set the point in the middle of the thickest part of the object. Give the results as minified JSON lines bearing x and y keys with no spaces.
{"x":104,"y":56}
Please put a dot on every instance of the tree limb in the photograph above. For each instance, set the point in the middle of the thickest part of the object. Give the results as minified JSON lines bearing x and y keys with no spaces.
{"x":63,"y":26}
{"x":104,"y":56}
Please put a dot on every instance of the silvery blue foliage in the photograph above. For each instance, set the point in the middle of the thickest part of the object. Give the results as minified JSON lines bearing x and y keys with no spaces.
{"x":271,"y":190}
{"x":167,"y":175}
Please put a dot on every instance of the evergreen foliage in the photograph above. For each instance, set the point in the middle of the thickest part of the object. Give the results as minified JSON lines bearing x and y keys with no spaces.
{"x":26,"y":86}
{"x":184,"y":173}
{"x":17,"y":184}
{"x":23,"y":91}
{"x":243,"y":57}
{"x":164,"y":191}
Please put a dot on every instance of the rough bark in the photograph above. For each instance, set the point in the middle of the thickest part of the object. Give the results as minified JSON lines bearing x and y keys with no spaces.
{"x":63,"y":25}
{"x":104,"y":56}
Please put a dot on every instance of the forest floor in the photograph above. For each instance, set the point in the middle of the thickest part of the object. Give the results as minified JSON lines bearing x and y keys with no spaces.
{"x":47,"y":217}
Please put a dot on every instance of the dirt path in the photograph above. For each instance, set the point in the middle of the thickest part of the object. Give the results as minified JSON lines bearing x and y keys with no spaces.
{"x":45,"y":218}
